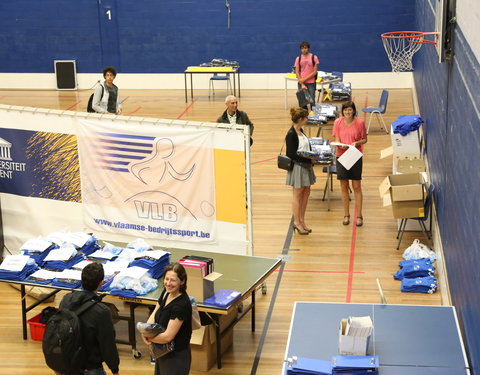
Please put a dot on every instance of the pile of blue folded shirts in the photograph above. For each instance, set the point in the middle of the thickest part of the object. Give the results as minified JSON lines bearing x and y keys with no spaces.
{"x":39,"y":256}
{"x":27,"y":270}
{"x":90,"y":246}
{"x":67,"y":283}
{"x":63,"y":264}
{"x":417,"y":276}
{"x":413,"y":268}
{"x":427,"y":284}
{"x":155,"y":267}
{"x":406,"y":124}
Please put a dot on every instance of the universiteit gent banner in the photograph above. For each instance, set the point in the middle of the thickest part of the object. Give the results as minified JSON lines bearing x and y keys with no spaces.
{"x":148,"y":181}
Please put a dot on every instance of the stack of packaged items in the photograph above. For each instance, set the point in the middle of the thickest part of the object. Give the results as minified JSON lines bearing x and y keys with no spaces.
{"x":63,"y":258}
{"x":37,"y":249}
{"x":17,"y":267}
{"x":341,"y":91}
{"x":83,"y":242}
{"x":355,"y":365}
{"x":327,"y":110}
{"x":354,"y":335}
{"x":132,"y":282}
{"x":42,"y":277}
{"x":417,"y":271}
{"x":68,"y":279}
{"x":315,"y":119}
{"x":222,"y":298}
{"x":154,"y":261}
{"x":221,"y":62}
{"x":324,"y":151}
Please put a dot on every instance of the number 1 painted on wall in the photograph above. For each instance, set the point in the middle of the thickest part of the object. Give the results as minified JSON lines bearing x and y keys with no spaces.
{"x":109,"y":14}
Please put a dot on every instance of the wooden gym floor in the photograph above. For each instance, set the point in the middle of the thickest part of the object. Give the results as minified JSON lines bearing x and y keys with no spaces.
{"x":335,"y":263}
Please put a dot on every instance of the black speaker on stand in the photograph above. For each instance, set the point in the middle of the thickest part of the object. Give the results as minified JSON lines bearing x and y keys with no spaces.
{"x":66,"y":74}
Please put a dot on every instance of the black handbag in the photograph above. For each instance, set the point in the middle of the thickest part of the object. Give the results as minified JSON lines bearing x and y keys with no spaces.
{"x":284,"y":162}
{"x":304,"y":98}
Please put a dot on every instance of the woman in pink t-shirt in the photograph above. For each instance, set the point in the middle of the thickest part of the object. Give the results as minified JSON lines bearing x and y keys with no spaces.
{"x":350,"y":130}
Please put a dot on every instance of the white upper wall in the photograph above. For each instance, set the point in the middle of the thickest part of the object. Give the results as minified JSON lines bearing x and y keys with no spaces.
{"x":468,"y":19}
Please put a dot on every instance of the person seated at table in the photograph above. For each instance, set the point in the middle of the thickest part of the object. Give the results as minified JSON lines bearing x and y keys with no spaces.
{"x":301,"y":177}
{"x":233,"y":115}
{"x":306,"y":68}
{"x":350,"y":130}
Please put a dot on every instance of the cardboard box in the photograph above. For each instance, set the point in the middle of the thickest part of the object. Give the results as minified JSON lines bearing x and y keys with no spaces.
{"x":408,"y":163}
{"x":405,"y":193}
{"x":198,"y":286}
{"x":203,"y":344}
{"x":351,"y":345}
{"x":408,"y":144}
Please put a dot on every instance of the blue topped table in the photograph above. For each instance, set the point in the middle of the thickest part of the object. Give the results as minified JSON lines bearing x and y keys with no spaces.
{"x":407,"y":339}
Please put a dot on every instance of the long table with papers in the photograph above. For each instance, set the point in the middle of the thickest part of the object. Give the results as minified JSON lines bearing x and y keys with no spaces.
{"x":239,"y":273}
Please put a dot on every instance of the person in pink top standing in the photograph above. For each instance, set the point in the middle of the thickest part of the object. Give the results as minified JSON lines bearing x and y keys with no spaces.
{"x":350,"y":130}
{"x":306,"y":68}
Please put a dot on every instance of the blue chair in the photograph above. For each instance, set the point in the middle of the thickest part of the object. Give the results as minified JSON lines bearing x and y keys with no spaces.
{"x":378,"y":111}
{"x":219,"y":77}
{"x":421,"y":220}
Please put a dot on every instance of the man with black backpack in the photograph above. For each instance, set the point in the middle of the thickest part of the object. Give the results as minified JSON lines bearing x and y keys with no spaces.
{"x":82,"y":318}
{"x":106,"y":98}
{"x":306,"y":68}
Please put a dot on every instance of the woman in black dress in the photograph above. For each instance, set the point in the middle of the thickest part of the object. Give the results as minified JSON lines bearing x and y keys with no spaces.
{"x":174,"y":312}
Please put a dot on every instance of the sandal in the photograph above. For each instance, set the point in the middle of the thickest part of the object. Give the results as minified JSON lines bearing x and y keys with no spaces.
{"x":346,"y":220}
{"x":359,"y":221}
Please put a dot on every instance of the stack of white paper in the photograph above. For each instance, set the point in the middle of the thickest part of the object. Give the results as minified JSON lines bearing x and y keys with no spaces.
{"x":360,"y":326}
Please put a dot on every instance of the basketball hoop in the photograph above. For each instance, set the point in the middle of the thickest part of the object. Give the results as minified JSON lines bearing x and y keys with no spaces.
{"x":402,"y":45}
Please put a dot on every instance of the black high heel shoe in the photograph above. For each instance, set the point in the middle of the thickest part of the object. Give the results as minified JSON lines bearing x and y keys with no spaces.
{"x":300,"y":231}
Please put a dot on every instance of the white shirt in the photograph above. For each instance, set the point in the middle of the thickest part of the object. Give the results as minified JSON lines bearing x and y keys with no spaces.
{"x":232,"y":119}
{"x":303,"y":143}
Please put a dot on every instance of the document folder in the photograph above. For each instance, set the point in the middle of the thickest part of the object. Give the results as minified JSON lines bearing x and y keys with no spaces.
{"x":308,"y":366}
{"x":222,"y":298}
{"x":362,"y":365}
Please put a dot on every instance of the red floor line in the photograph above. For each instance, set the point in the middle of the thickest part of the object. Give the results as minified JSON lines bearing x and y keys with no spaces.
{"x":351,"y":264}
{"x":129,"y":113}
{"x":305,"y":271}
{"x":73,"y":105}
{"x":186,"y":109}
{"x":263,"y":161}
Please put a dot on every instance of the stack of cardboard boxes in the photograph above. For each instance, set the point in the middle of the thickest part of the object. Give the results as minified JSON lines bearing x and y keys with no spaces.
{"x":201,"y":279}
{"x":404,"y":190}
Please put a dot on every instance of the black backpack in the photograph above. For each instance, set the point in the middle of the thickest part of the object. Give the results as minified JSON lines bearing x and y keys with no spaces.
{"x":90,"y":103}
{"x":62,"y":341}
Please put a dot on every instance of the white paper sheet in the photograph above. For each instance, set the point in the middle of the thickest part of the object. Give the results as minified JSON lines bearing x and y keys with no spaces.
{"x":135,"y":272}
{"x":110,"y":268}
{"x":100,"y":254}
{"x":36,"y":244}
{"x":45,"y":274}
{"x":70,"y":274}
{"x":78,"y":238}
{"x":349,"y":157}
{"x":64,"y":253}
{"x":81,"y":265}
{"x":14,"y":262}
{"x":155,"y":254}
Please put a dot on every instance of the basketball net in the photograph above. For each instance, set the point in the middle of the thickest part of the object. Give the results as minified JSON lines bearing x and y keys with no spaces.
{"x":402,"y":45}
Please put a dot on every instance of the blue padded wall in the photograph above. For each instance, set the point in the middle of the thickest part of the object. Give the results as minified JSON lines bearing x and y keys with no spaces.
{"x":449,"y":100}
{"x":165,"y":36}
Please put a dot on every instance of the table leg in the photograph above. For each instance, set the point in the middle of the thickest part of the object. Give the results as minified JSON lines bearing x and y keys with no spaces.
{"x":238,"y":82}
{"x":253,"y":311}
{"x":286,"y":100}
{"x":235,"y":85}
{"x":218,"y":338}
{"x":24,"y":311}
{"x":185,"y":79}
{"x":191,"y":86}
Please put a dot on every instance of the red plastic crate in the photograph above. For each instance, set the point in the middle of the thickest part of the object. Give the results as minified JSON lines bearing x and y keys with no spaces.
{"x":37,"y":329}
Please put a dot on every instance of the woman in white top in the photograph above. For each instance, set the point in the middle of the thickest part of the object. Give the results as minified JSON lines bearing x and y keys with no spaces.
{"x":301,"y":177}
